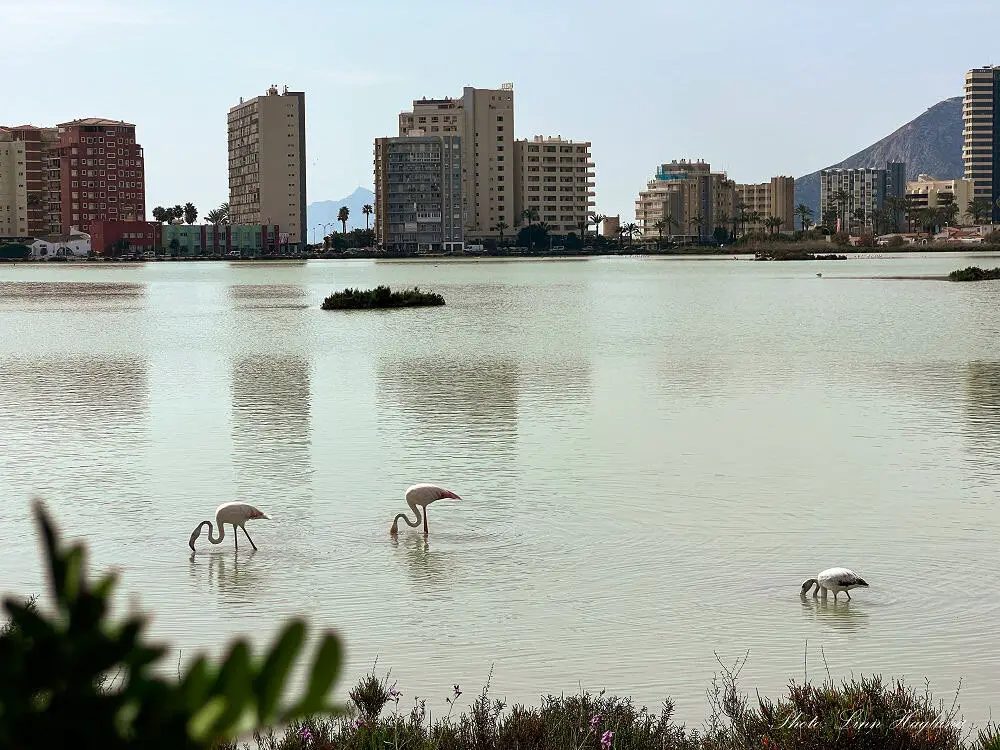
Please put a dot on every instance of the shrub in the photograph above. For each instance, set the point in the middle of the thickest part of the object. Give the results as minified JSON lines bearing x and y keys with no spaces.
{"x":974,"y":273}
{"x":75,"y":678}
{"x":380,"y":297}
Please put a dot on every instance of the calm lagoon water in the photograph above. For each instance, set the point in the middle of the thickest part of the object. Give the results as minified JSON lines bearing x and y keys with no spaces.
{"x":654,"y":454}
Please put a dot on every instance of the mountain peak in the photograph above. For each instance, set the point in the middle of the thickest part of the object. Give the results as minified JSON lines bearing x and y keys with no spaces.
{"x":325,"y":212}
{"x":929,"y":144}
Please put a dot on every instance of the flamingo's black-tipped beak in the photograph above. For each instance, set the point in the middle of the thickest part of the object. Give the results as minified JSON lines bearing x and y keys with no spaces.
{"x":191,"y":544}
{"x":863,"y":582}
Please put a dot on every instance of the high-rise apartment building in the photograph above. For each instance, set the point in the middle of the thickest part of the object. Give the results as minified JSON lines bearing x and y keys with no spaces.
{"x":267,"y":162}
{"x":775,"y":198}
{"x":42,"y":177}
{"x":418,"y":192}
{"x":981,"y":135}
{"x":13,"y":187}
{"x":554,"y":180}
{"x":865,"y":198}
{"x":689,"y":198}
{"x":101,"y":173}
{"x":484,"y":121}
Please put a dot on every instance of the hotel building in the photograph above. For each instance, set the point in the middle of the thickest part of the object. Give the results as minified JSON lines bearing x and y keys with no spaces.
{"x":13,"y":187}
{"x":267,"y":162}
{"x":981,"y":135}
{"x":927,"y":192}
{"x":689,"y":193}
{"x":483,"y":120}
{"x":864,"y":189}
{"x":418,"y":192}
{"x":554,"y":179}
{"x":764,"y":199}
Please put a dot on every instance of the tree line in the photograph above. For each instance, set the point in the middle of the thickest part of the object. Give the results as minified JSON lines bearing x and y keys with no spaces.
{"x":189,"y":214}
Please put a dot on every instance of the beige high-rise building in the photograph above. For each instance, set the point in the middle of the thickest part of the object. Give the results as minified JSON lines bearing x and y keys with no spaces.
{"x":981,"y":135}
{"x":764,"y":199}
{"x":13,"y":187}
{"x":43,"y":177}
{"x":689,"y":198}
{"x":484,"y":121}
{"x":267,"y":162}
{"x":927,"y":192}
{"x":554,"y":180}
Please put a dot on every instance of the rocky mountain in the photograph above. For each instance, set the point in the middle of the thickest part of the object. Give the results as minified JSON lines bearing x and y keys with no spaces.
{"x":325,"y":212}
{"x":930,"y":144}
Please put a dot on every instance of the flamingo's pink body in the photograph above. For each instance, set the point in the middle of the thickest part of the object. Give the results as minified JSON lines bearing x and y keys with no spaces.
{"x":418,"y":497}
{"x":236,"y":514}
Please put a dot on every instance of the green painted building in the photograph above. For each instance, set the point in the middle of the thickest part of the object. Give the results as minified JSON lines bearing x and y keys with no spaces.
{"x":222,"y":239}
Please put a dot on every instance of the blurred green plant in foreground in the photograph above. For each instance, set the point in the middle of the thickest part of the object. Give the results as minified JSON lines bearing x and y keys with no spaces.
{"x":75,"y":678}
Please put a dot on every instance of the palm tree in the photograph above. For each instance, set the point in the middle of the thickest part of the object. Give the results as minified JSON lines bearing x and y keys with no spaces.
{"x":671,"y":222}
{"x":367,"y":210}
{"x":530,"y":215}
{"x":342,"y":216}
{"x":842,"y":198}
{"x":190,"y":213}
{"x":723,"y":222}
{"x":500,"y":227}
{"x":949,"y":212}
{"x":929,"y":220}
{"x":596,"y":220}
{"x":754,"y":218}
{"x":861,"y":217}
{"x":659,"y":226}
{"x":696,"y":221}
{"x":979,"y":209}
{"x":631,"y":230}
{"x":805,"y":215}
{"x":895,"y":206}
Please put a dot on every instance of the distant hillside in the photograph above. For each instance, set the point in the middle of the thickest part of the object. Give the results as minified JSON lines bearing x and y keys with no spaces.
{"x":325,"y":212}
{"x":930,"y":144}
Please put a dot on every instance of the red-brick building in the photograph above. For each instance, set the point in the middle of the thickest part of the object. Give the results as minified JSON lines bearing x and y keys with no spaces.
{"x":102,"y":174}
{"x":114,"y":237}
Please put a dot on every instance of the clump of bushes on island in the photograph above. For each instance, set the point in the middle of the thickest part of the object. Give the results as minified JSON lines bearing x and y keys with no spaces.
{"x":780,"y":253}
{"x":975,"y":273}
{"x":380,"y":297}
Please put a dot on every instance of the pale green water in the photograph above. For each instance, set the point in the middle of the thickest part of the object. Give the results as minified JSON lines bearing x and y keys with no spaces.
{"x":654,"y":455}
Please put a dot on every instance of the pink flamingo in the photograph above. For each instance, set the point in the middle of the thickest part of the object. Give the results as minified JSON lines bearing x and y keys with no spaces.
{"x":236,"y":514}
{"x":420,"y":496}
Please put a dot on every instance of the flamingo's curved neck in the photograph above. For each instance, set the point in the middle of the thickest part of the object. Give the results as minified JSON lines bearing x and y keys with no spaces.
{"x":411,"y":524}
{"x":211,"y":532}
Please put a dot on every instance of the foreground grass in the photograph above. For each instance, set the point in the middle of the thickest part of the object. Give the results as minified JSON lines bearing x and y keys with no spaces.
{"x":862,"y":713}
{"x":380,"y":297}
{"x":974,"y":273}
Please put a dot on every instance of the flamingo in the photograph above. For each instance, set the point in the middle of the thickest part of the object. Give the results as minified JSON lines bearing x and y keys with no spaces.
{"x":420,"y":496}
{"x":235,"y":513}
{"x":835,"y":580}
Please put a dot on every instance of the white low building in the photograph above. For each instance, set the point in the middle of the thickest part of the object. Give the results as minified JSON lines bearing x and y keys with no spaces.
{"x":72,"y":245}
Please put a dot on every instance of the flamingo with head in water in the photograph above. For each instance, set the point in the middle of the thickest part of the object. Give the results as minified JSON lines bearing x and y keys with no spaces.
{"x":418,"y":497}
{"x":835,"y":580}
{"x":236,"y":514}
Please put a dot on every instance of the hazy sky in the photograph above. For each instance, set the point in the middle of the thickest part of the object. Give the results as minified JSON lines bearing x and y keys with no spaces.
{"x":756,"y":88}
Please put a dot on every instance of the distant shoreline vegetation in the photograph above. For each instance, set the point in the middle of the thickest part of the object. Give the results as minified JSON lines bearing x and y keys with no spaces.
{"x":975,"y":273}
{"x":794,"y":254}
{"x":381,"y":297}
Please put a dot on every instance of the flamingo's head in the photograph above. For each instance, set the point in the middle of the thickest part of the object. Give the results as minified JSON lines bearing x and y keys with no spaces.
{"x":450,"y":495}
{"x":254,"y":513}
{"x":863,"y":582}
{"x":394,"y":529}
{"x":194,"y":535}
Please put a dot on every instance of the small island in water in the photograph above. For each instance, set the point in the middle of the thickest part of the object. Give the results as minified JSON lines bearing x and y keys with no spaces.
{"x":794,"y":254}
{"x":380,"y":297}
{"x":975,"y":273}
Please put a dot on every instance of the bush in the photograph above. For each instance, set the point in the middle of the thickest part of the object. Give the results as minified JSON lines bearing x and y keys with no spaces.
{"x":77,"y":679}
{"x":380,"y":297}
{"x":865,"y":713}
{"x":896,"y":241}
{"x":974,"y":273}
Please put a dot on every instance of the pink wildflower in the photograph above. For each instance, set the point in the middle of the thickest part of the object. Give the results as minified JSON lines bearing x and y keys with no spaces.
{"x":606,"y":739}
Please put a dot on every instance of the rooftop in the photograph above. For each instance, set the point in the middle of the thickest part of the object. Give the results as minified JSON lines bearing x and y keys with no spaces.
{"x":95,"y":121}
